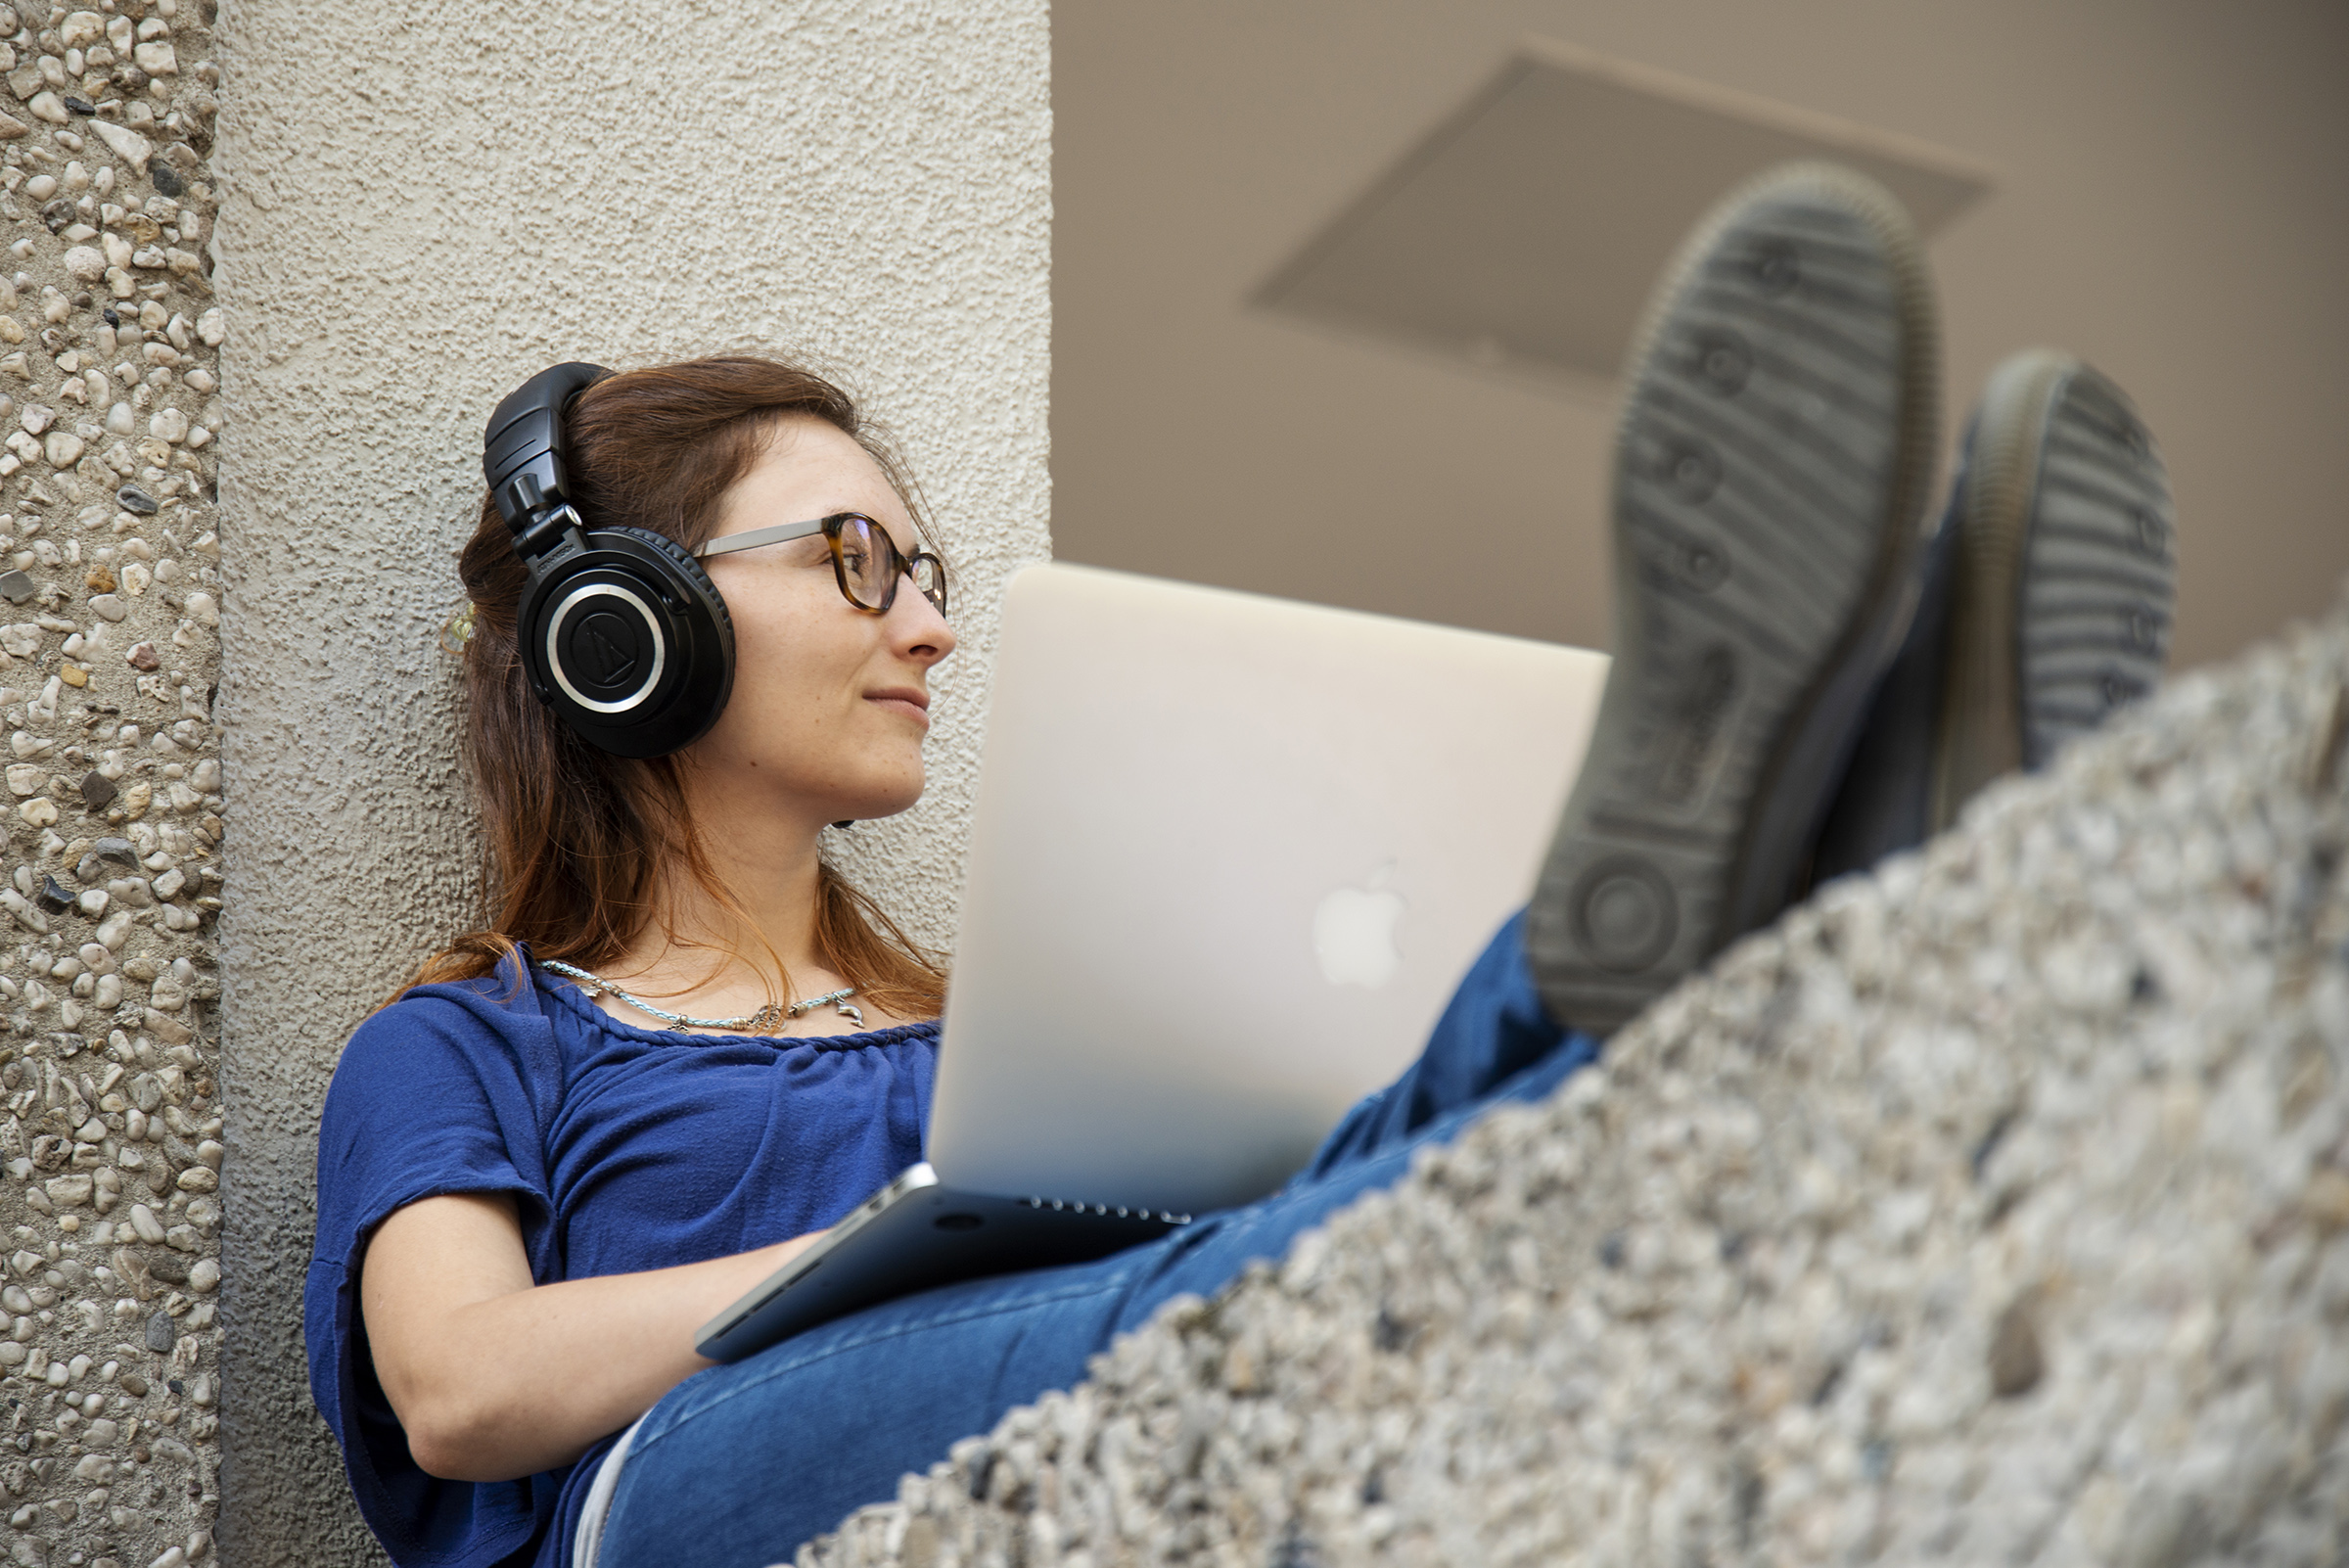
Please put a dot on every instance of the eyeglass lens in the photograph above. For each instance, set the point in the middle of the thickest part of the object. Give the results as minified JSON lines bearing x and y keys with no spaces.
{"x":869,"y":565}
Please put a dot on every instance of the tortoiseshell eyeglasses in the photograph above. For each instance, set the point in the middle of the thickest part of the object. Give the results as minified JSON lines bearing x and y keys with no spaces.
{"x":865,"y":561}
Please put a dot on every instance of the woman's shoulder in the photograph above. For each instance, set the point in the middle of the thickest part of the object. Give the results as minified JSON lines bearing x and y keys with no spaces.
{"x":503,"y":991}
{"x":489,"y":1016}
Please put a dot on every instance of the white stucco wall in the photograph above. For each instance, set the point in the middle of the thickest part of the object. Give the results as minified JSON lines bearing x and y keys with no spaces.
{"x":420,"y":207}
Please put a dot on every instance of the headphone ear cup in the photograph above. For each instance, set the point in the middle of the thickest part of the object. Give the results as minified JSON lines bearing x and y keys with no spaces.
{"x":629,"y":643}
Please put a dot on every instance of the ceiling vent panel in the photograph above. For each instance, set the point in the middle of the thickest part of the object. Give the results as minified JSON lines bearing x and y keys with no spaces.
{"x":1527,"y":229}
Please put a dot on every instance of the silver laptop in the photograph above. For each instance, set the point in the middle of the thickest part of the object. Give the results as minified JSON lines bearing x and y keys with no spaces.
{"x":1229,"y":857}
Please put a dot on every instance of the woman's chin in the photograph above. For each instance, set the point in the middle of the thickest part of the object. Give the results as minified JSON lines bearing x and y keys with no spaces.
{"x":874,"y":805}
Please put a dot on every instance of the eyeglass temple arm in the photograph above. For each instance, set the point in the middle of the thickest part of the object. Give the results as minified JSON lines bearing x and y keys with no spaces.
{"x":759,"y":536}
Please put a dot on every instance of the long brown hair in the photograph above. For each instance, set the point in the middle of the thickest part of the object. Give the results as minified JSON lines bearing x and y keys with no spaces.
{"x":574,"y":840}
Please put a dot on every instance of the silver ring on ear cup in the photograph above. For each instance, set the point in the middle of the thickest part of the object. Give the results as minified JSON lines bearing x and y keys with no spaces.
{"x":607,"y":648}
{"x":629,"y":643}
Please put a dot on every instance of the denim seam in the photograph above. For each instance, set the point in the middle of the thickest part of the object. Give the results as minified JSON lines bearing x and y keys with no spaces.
{"x":874,"y":1336}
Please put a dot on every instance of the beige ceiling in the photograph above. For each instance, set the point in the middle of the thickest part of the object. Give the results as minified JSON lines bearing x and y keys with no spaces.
{"x":2171,"y":199}
{"x":1526,"y":227}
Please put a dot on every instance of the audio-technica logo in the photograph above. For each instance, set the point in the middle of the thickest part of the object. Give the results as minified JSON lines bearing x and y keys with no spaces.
{"x":604,"y":647}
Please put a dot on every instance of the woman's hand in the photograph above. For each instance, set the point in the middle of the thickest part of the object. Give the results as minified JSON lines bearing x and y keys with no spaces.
{"x":493,"y":1377}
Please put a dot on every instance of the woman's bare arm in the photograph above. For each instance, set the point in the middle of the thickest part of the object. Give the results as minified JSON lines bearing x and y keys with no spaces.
{"x":493,"y":1377}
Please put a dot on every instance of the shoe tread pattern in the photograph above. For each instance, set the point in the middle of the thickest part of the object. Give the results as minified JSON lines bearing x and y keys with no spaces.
{"x":2096,"y":591}
{"x":1760,"y":446}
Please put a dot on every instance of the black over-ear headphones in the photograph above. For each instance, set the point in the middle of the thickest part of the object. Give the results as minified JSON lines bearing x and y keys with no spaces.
{"x":621,"y":631}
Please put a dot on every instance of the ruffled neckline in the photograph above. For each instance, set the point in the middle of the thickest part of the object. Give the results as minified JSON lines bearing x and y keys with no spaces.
{"x":571,"y":995}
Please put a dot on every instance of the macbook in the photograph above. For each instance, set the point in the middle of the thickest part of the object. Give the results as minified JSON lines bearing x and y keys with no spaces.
{"x":1229,"y":857}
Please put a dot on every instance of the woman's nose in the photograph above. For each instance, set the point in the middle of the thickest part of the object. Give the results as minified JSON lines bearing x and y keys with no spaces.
{"x":918,"y":629}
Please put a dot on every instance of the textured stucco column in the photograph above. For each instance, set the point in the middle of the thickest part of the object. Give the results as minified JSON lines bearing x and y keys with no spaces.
{"x":420,"y":209}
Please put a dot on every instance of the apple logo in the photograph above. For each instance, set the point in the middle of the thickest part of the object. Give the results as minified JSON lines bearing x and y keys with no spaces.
{"x":1354,"y":934}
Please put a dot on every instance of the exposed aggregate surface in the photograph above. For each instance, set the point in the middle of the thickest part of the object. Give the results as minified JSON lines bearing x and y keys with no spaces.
{"x":1987,"y":1210}
{"x":109,"y":1127}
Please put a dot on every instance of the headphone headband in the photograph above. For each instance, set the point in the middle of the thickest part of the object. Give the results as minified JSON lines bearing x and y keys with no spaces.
{"x":522,"y":457}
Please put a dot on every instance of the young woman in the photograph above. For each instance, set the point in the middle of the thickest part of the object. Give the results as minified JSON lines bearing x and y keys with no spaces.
{"x":681,"y":1046}
{"x":535,"y":1183}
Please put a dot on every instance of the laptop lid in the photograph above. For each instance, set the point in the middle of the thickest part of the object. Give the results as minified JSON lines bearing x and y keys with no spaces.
{"x":1229,"y":857}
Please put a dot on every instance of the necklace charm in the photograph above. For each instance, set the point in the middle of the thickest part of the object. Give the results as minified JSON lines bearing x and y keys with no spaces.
{"x":764,"y":1021}
{"x":761,"y":1022}
{"x":840,"y":1000}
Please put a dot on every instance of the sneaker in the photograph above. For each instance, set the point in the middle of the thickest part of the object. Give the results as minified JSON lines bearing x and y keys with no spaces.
{"x":2046,"y":604}
{"x":1773,"y":462}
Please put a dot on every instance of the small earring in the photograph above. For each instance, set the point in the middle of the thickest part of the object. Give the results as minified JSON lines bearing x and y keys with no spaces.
{"x":852,"y":822}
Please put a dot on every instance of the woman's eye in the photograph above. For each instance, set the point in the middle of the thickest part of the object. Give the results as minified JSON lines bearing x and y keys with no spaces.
{"x":854,"y":560}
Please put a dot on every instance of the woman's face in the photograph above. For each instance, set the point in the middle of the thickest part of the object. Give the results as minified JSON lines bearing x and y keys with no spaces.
{"x":830,"y":702}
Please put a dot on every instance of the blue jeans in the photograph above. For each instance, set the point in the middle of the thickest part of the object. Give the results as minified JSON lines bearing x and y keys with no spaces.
{"x":749,"y":1460}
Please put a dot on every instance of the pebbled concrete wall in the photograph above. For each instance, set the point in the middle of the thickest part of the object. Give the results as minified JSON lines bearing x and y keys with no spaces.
{"x":110,"y":1139}
{"x":419,"y":209}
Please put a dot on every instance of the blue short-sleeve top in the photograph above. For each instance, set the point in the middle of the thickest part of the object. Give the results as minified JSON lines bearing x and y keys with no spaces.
{"x":624,"y":1148}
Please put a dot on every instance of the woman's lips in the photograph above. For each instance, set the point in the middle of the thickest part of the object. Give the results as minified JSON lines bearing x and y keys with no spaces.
{"x":913,"y":702}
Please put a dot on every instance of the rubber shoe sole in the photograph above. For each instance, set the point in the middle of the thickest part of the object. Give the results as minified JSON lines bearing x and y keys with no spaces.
{"x":2046,"y":604}
{"x":2065,"y":579}
{"x":1775,"y":457}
